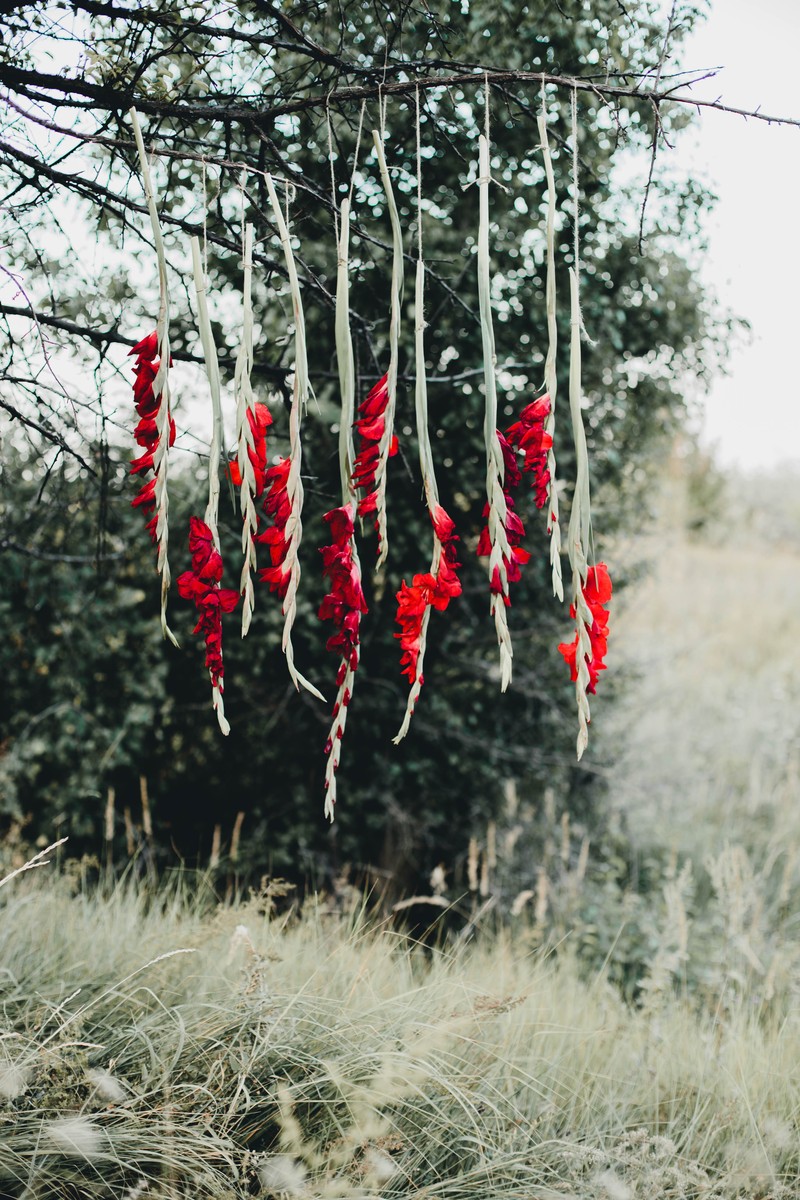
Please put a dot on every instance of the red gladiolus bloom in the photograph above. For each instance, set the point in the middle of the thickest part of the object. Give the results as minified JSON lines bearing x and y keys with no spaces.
{"x":201,"y":584}
{"x":145,"y":434}
{"x":515,"y":530}
{"x":344,"y":604}
{"x":528,"y":435}
{"x":371,"y":427}
{"x":597,"y":593}
{"x":278,"y":506}
{"x":427,"y":591}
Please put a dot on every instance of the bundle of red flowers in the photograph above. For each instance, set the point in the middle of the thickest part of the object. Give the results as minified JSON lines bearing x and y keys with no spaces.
{"x":278,"y":506}
{"x":201,"y":584}
{"x":427,"y":591}
{"x":344,"y":605}
{"x":596,"y":593}
{"x":371,"y":426}
{"x":514,"y":529}
{"x":146,"y":433}
{"x":528,"y":435}
{"x":259,"y":418}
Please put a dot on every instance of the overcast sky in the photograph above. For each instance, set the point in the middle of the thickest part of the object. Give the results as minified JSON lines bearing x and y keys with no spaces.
{"x":753,"y":417}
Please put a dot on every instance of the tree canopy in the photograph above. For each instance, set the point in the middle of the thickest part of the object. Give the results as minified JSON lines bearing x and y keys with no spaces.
{"x":225,"y":93}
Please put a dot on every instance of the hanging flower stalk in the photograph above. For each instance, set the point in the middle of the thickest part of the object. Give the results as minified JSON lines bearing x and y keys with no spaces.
{"x":284,"y":502}
{"x":252,"y":422}
{"x":376,"y":414}
{"x":212,"y":507}
{"x":440,"y":584}
{"x":500,"y":551}
{"x":344,"y":604}
{"x":159,"y":386}
{"x":591,"y":586}
{"x":550,"y":374}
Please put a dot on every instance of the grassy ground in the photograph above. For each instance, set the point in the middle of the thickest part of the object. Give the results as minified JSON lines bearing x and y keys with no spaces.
{"x":172,"y":1049}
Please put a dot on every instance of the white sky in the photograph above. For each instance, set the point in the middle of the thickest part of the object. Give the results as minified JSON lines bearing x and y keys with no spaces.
{"x":753,"y":417}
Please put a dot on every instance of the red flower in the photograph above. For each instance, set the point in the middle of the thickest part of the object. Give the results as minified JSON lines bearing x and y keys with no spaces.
{"x":514,"y":529}
{"x":528,"y":435}
{"x":201,"y":584}
{"x":278,"y":506}
{"x":596,"y":593}
{"x":344,"y":605}
{"x":145,"y":434}
{"x":427,"y":591}
{"x":371,"y":427}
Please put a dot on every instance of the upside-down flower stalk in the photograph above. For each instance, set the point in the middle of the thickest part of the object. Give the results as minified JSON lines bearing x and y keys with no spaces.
{"x":159,"y":385}
{"x":436,"y":587}
{"x":344,"y":604}
{"x":550,"y":374}
{"x":284,"y":502}
{"x":252,"y":422}
{"x":212,"y":507}
{"x":591,"y":629}
{"x":500,"y":551}
{"x":202,"y":585}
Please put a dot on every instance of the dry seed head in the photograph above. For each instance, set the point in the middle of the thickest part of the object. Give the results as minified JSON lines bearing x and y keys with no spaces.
{"x":13,"y":1080}
{"x":282,"y":1175}
{"x":107,"y":1086}
{"x":77,"y":1137}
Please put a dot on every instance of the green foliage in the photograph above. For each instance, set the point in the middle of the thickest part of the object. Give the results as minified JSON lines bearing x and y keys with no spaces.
{"x":92,"y":700}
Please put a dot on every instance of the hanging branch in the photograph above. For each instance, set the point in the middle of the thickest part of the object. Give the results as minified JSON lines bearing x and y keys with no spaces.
{"x":287,"y":485}
{"x":160,"y":387}
{"x":550,"y":373}
{"x":212,"y":507}
{"x":500,"y":552}
{"x":345,"y":603}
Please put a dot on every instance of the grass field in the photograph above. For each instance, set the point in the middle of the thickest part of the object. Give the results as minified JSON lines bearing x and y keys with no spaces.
{"x":167,"y":1047}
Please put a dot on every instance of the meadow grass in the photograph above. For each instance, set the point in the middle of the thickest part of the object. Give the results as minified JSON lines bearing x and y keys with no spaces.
{"x":155,"y":1043}
{"x":159,"y":1047}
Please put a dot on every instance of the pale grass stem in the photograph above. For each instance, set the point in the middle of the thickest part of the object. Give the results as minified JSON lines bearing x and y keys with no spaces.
{"x":245,"y":402}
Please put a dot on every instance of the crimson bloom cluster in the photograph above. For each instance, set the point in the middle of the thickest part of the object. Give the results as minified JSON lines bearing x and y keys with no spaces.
{"x":259,"y":422}
{"x":515,"y":530}
{"x":371,"y":426}
{"x":528,"y":435}
{"x":344,"y":604}
{"x":148,"y":406}
{"x":278,"y":506}
{"x":427,"y":591}
{"x":201,"y":584}
{"x":597,"y":593}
